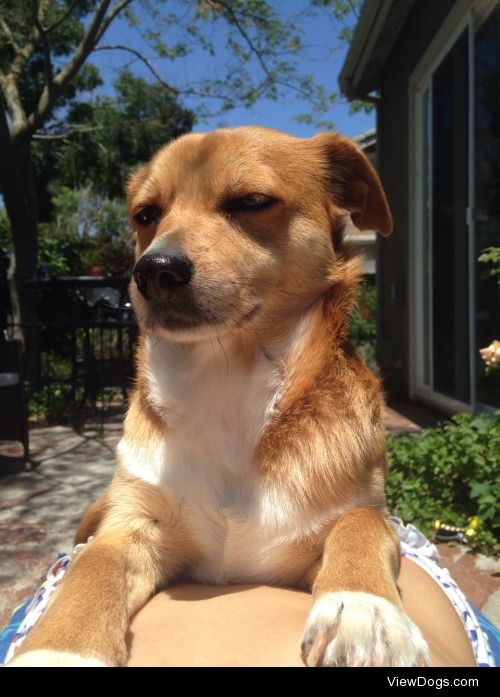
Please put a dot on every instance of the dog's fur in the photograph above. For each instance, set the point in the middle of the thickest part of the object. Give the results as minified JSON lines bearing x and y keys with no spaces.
{"x":253,"y":447}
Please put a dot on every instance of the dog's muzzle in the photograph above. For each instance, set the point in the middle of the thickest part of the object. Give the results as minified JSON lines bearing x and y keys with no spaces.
{"x":158,"y":276}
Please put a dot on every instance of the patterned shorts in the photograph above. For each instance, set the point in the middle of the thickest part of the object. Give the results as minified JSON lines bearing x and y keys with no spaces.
{"x":419,"y":549}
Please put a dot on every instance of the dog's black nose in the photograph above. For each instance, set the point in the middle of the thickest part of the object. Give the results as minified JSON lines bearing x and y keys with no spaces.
{"x":158,"y":274}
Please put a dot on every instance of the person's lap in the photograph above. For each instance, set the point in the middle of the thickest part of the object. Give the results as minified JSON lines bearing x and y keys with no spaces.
{"x":196,"y":625}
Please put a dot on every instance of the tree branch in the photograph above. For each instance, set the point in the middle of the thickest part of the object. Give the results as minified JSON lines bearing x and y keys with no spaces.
{"x":229,"y":10}
{"x":77,"y":129}
{"x":114,"y":13}
{"x":8,"y":80}
{"x":98,"y":25}
{"x":243,"y":33}
{"x":24,"y":54}
{"x":67,"y":134}
{"x":85,"y":46}
{"x":175,"y":90}
{"x":13,"y":101}
{"x":63,"y":17}
{"x":142,"y":58}
{"x":354,"y":8}
{"x":38,"y":14}
{"x":9,"y":34}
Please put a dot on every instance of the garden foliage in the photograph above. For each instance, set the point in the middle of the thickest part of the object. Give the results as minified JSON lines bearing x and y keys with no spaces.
{"x":450,"y":473}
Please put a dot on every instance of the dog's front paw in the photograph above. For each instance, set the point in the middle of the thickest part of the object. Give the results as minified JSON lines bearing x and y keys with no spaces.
{"x":361,"y":629}
{"x":48,"y":658}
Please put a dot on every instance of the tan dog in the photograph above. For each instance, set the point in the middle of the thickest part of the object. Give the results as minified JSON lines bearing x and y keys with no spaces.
{"x":253,"y":449}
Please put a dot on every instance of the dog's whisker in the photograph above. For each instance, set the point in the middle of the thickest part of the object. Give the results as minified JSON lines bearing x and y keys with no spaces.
{"x":219,"y":341}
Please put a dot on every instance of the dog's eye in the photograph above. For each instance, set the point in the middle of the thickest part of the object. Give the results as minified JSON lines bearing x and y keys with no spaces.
{"x":147,"y":215}
{"x":251,"y":202}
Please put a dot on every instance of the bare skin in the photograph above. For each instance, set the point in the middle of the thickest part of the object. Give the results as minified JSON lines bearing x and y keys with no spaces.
{"x":262,"y":625}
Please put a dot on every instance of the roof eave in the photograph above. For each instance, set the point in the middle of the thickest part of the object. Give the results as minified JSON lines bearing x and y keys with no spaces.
{"x":376,"y":32}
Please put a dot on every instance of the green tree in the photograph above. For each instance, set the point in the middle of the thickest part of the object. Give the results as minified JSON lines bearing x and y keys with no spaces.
{"x":30,"y":89}
{"x":108,"y":137}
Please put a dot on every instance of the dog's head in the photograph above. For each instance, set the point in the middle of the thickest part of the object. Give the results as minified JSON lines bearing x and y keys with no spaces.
{"x":243,"y":226}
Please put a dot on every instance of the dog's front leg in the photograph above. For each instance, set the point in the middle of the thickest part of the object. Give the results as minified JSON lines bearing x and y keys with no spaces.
{"x":108,"y":581}
{"x":357,"y":617}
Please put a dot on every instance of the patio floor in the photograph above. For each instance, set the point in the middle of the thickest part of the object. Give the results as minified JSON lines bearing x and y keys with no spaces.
{"x":40,"y":509}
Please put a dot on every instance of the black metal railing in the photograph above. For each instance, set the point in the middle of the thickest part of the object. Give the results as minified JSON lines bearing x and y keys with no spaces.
{"x":80,"y":337}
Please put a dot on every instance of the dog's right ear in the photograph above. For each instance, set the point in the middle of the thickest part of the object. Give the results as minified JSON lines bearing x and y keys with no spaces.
{"x":354,"y":183}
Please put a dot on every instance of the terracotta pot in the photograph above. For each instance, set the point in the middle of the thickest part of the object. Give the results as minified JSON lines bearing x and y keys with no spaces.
{"x":96,"y":271}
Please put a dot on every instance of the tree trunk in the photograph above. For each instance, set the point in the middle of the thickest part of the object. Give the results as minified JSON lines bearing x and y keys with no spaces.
{"x":17,"y":184}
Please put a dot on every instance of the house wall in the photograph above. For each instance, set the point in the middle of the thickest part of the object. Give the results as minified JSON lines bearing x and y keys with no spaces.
{"x":393,"y":166}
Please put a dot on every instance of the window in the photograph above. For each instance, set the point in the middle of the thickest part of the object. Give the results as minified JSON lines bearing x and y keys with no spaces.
{"x":456,"y":102}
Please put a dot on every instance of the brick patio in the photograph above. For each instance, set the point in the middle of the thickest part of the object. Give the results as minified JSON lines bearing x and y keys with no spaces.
{"x":40,"y":510}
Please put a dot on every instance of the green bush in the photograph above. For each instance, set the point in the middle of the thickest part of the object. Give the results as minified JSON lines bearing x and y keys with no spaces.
{"x":49,"y":403}
{"x":363,"y":324}
{"x":449,"y":473}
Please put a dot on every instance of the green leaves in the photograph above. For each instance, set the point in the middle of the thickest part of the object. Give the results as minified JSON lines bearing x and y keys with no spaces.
{"x":451,"y":473}
{"x":491,"y":255}
{"x":363,"y":324}
{"x":108,"y":137}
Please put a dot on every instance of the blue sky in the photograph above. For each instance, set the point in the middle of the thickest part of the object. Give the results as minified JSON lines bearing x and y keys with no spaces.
{"x":322,"y":58}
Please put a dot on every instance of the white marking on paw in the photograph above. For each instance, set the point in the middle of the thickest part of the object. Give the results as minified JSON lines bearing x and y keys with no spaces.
{"x":48,"y":658}
{"x":360,"y":629}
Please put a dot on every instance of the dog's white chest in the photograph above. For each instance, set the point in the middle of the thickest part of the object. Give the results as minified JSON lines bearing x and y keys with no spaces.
{"x":238,"y":546}
{"x":215,"y":408}
{"x":217,"y":412}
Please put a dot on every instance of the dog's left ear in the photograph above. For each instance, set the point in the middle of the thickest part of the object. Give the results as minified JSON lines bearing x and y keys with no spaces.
{"x":355,"y":184}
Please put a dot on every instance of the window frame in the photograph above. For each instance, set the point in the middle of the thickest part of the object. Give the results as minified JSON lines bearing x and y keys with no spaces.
{"x":464,"y":16}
